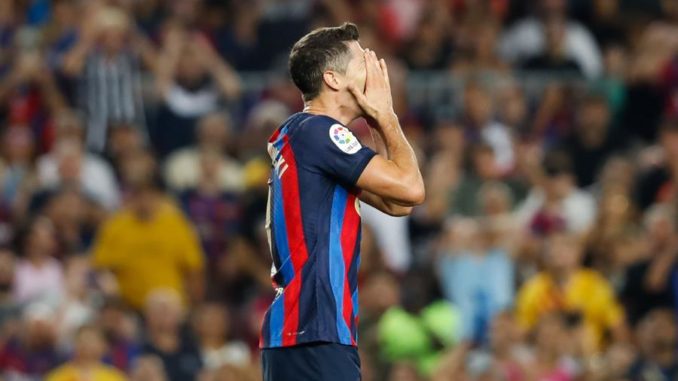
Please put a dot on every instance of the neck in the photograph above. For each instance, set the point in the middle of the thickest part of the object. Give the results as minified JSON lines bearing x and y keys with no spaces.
{"x":164,"y":340}
{"x":562,"y":277}
{"x":84,"y":363}
{"x":212,"y":342}
{"x":36,"y":258}
{"x":330,"y":107}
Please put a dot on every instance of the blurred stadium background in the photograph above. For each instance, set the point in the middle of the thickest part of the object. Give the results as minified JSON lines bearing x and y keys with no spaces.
{"x":133,"y":179}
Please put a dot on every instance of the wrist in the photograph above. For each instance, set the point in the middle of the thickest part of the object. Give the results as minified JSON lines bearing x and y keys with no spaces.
{"x":387,"y":119}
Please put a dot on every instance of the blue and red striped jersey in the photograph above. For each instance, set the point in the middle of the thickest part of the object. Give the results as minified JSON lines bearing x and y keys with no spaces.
{"x":313,"y":225}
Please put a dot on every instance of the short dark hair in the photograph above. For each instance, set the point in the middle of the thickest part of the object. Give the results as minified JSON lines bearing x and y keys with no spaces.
{"x":669,"y":125}
{"x":556,"y":163}
{"x":321,"y":49}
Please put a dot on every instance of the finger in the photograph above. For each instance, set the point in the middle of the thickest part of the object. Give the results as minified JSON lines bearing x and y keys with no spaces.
{"x":373,"y":67}
{"x":369,"y":77}
{"x":359,"y":96}
{"x":384,"y":70}
{"x":378,"y":70}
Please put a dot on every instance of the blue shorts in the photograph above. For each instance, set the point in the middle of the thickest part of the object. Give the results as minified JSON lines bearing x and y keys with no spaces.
{"x":311,"y":362}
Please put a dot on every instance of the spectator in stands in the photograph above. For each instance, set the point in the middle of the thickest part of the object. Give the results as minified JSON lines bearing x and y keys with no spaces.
{"x":217,"y":214}
{"x":17,"y":177}
{"x":61,"y":32}
{"x":9,"y":310}
{"x":31,"y":351}
{"x":95,"y":175}
{"x":481,"y":56}
{"x":482,"y":127}
{"x":76,"y":307}
{"x":550,"y":359}
{"x":472,"y":251}
{"x":75,"y":172}
{"x":86,"y":364}
{"x":657,"y":337}
{"x":120,"y":328}
{"x":615,"y":241}
{"x":593,"y":140}
{"x":527,"y":38}
{"x":554,"y":58}
{"x":656,"y":182}
{"x":171,"y":256}
{"x":555,"y":202}
{"x":184,"y":170}
{"x":148,"y":368}
{"x":39,"y":276}
{"x":107,"y":61}
{"x":483,"y":170}
{"x":650,"y":280}
{"x":503,"y":351}
{"x":75,"y":219}
{"x":29,"y":95}
{"x":428,"y":47}
{"x":191,"y":80}
{"x":164,"y":315}
{"x":565,"y":286}
{"x":212,"y":325}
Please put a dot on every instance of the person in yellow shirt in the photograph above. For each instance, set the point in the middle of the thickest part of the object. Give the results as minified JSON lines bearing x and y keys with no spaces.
{"x":86,"y":364}
{"x":565,"y":286}
{"x":149,"y":244}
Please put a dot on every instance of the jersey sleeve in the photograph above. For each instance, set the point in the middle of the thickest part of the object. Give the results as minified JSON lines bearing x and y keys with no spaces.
{"x":333,"y":149}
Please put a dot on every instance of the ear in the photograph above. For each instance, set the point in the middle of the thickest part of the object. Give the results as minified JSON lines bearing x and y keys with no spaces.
{"x":332,"y":80}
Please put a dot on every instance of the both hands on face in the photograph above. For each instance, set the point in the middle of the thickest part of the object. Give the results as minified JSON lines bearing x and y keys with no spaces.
{"x":376,"y":102}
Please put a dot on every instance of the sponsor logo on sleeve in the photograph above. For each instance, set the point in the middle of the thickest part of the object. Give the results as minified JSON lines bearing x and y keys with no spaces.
{"x":343,"y":138}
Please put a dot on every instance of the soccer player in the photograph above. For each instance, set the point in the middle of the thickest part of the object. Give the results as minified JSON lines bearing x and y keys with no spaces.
{"x":320,"y":171}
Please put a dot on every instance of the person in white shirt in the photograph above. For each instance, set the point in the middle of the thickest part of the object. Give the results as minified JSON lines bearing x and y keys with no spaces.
{"x":182,"y":169}
{"x":555,"y":199}
{"x":211,"y":326}
{"x":38,"y":276}
{"x":95,"y":175}
{"x":526,"y":38}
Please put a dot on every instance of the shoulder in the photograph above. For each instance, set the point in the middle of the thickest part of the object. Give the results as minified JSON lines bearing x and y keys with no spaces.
{"x":576,"y":30}
{"x":182,"y":156}
{"x":323,"y":132}
{"x":306,"y":125}
{"x":117,"y":219}
{"x":591,"y":278}
{"x":111,"y":374}
{"x":60,"y":373}
{"x":536,"y":284}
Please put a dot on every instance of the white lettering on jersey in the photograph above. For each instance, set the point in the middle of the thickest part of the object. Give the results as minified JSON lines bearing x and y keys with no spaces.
{"x":279,"y":164}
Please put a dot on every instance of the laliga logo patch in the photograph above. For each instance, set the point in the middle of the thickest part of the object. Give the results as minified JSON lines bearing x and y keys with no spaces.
{"x":343,"y":138}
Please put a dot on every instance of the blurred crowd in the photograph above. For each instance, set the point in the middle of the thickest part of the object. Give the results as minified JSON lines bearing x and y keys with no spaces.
{"x":133,"y":188}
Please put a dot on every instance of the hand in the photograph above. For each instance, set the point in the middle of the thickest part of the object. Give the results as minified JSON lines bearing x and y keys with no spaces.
{"x":28,"y":67}
{"x":376,"y":102}
{"x":209,"y":57}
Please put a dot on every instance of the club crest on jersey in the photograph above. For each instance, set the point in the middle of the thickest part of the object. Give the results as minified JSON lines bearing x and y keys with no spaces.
{"x":343,"y":138}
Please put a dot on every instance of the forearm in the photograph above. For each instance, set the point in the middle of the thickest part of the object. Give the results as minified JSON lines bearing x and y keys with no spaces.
{"x":659,"y":270}
{"x":385,"y":205}
{"x":8,"y":85}
{"x":227,"y":79}
{"x":75,"y":59}
{"x":379,"y":145}
{"x":164,"y":72}
{"x":195,"y":282}
{"x":53,"y":96}
{"x":398,"y":149}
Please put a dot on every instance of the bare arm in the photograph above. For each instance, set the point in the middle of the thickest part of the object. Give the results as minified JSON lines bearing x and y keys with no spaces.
{"x":395,"y":178}
{"x":166,"y":65}
{"x":195,"y":285}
